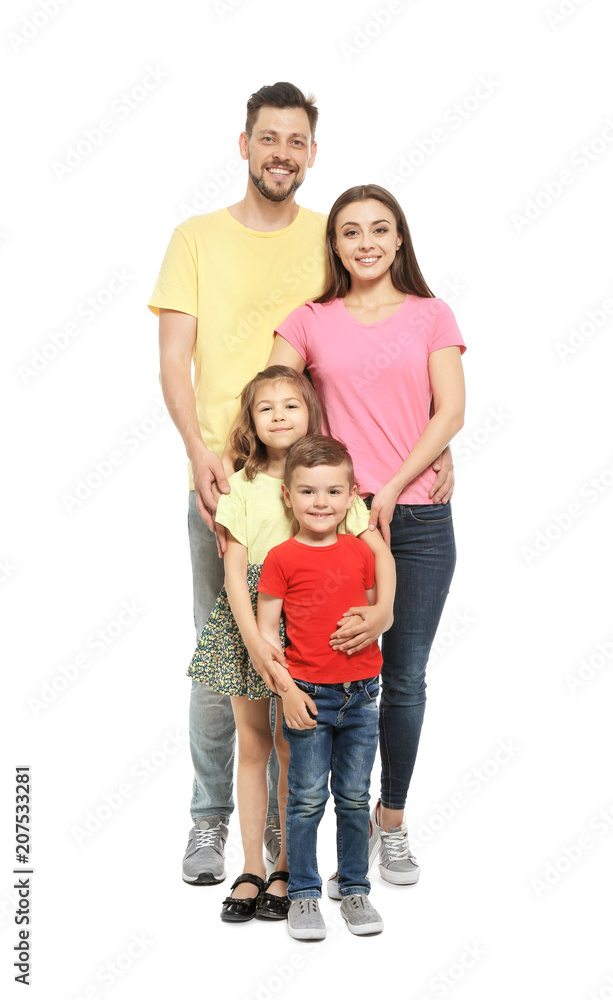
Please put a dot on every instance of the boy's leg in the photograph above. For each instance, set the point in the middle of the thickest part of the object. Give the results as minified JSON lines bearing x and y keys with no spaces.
{"x":353,"y":755}
{"x":309,"y":767}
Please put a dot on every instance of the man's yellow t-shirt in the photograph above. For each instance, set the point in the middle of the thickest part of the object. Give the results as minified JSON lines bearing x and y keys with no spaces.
{"x":240,"y":284}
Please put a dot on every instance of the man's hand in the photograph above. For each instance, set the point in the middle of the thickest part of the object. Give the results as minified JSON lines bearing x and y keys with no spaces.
{"x":442,"y":487}
{"x":359,"y":627}
{"x":269,"y":662}
{"x":296,"y":707}
{"x":210,"y":483}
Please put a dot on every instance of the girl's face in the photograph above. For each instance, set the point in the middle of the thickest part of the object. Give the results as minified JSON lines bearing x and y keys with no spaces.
{"x":366,"y":239}
{"x":280,"y":414}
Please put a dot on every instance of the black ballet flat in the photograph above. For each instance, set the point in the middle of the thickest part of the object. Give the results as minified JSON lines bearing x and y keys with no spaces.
{"x":271,"y":907}
{"x":235,"y":910}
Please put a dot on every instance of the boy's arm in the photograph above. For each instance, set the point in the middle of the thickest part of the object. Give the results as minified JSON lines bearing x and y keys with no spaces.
{"x":360,"y":626}
{"x":264,"y":655}
{"x":296,"y":703}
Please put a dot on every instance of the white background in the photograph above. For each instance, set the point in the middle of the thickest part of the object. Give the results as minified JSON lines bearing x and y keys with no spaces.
{"x":515,"y":853}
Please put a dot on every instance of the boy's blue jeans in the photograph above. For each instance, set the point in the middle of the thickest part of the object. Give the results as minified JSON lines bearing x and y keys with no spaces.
{"x":342,"y":745}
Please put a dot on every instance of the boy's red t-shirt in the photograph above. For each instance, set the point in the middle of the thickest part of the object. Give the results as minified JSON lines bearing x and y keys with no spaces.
{"x":318,"y":584}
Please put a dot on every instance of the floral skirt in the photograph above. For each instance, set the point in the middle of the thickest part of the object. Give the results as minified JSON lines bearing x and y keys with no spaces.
{"x":221,"y":660}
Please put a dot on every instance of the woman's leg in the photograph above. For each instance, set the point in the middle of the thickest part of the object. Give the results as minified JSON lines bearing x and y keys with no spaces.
{"x":423,"y":546}
{"x":254,"y":745}
{"x":279,"y":888}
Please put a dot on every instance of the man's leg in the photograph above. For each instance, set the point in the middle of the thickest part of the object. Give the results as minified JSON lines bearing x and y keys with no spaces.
{"x":211,"y":726}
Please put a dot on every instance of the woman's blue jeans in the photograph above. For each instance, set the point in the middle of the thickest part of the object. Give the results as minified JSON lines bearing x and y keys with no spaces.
{"x":343,"y":746}
{"x":423,"y":546}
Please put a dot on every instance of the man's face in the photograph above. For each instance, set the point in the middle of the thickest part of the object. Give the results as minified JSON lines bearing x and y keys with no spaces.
{"x":279,"y":151}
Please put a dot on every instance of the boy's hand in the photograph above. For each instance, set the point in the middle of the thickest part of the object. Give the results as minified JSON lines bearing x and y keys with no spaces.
{"x":359,"y":627}
{"x":296,"y":707}
{"x":269,"y":662}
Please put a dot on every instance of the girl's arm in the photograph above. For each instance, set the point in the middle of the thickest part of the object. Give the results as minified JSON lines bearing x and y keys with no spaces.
{"x":360,"y":626}
{"x":296,"y":703}
{"x":264,"y":655}
{"x":447,"y":380}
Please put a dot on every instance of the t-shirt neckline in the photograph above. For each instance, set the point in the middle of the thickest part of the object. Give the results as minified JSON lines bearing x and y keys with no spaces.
{"x":323,"y":548}
{"x":259,"y":233}
{"x":380,"y":322}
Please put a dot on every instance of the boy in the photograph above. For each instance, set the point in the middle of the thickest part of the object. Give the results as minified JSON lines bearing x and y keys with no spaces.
{"x":331,"y":718}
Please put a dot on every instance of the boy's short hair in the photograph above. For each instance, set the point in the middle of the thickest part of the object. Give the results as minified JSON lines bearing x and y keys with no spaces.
{"x":314,"y":450}
{"x":281,"y":95}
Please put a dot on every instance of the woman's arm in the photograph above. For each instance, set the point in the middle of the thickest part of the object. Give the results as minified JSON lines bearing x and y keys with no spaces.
{"x":447,"y":381}
{"x":284,"y":354}
{"x":264,"y":655}
{"x":360,"y":626}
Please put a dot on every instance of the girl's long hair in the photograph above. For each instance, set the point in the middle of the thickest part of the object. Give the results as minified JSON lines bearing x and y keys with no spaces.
{"x":405,"y":273}
{"x":252,"y":455}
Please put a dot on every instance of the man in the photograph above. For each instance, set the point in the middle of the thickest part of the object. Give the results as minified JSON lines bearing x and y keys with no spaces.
{"x":227,"y":280}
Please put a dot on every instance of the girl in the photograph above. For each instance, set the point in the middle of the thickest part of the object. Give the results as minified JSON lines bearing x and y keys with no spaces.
{"x":278,"y":407}
{"x":384,"y":356}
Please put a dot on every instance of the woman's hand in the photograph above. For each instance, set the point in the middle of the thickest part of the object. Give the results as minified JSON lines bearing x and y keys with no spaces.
{"x":382,"y":510}
{"x":296,"y":707}
{"x":359,"y":627}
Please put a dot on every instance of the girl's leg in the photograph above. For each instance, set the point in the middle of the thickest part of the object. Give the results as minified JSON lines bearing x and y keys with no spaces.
{"x":279,"y":888}
{"x":254,"y":745}
{"x":423,"y":546}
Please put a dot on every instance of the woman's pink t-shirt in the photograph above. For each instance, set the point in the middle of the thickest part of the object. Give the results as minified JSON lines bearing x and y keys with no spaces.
{"x":373,"y":381}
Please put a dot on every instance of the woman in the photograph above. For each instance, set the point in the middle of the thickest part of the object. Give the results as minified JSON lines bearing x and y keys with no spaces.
{"x":385,"y":358}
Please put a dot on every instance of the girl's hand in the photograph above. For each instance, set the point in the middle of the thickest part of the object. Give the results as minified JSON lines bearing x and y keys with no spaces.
{"x":269,"y":662}
{"x":359,"y":627}
{"x":382,"y":510}
{"x":296,"y":707}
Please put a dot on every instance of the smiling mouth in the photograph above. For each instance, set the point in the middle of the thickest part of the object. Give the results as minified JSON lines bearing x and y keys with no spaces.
{"x":367,"y":261}
{"x":279,"y":171}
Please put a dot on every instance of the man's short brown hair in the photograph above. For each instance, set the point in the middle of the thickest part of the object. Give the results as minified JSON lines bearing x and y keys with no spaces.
{"x":281,"y":95}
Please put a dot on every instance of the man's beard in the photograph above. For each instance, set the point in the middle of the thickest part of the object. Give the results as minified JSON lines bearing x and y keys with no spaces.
{"x":260,"y":184}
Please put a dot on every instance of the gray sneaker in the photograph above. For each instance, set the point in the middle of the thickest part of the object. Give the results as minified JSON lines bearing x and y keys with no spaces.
{"x":203,"y":863}
{"x":304,"y":921}
{"x":397,"y":864}
{"x":272,"y":840}
{"x":360,"y":914}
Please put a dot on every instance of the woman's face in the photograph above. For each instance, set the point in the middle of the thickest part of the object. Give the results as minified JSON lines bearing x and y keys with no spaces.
{"x":366,"y":239}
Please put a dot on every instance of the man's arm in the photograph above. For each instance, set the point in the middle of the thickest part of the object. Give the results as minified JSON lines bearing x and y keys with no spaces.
{"x":177,"y":340}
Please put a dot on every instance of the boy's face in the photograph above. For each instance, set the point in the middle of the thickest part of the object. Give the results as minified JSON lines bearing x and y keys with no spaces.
{"x":319,"y":497}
